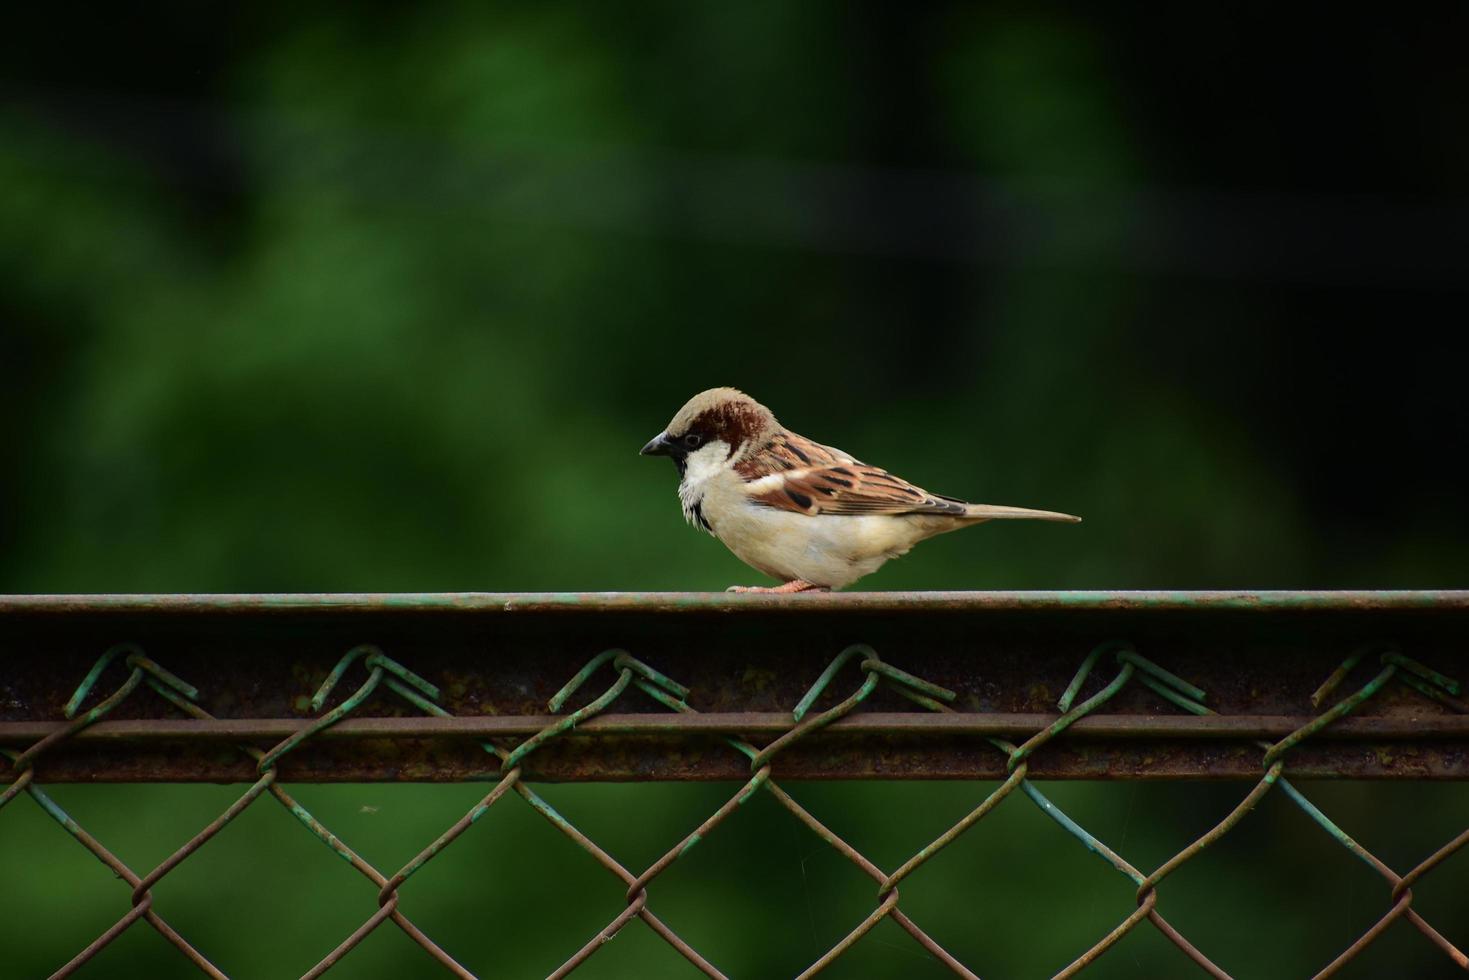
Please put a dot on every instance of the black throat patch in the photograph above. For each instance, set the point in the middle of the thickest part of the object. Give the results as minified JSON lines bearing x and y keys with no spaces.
{"x":695,"y":515}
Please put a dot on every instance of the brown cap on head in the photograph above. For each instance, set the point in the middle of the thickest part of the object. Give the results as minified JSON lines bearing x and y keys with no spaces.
{"x":719,"y":414}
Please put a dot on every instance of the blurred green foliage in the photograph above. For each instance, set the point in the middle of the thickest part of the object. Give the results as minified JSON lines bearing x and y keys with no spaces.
{"x":327,"y":301}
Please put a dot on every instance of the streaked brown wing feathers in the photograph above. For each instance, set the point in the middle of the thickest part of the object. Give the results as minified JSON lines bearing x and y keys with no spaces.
{"x":788,"y":451}
{"x":815,"y":479}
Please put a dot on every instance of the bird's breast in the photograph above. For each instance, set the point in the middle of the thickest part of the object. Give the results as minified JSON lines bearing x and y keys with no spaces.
{"x":826,"y":549}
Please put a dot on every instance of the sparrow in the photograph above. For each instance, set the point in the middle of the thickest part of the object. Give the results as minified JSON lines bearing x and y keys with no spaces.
{"x":809,"y":515}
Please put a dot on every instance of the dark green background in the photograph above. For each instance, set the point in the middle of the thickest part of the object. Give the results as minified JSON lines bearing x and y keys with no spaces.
{"x":381,"y":299}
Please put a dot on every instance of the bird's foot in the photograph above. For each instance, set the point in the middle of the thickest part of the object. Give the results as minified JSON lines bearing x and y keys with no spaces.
{"x":794,"y":585}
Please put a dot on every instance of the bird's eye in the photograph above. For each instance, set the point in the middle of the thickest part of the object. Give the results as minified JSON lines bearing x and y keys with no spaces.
{"x":692,"y":440}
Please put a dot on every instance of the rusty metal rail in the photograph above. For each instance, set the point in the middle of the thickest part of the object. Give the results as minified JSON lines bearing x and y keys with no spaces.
{"x":1003,"y":686}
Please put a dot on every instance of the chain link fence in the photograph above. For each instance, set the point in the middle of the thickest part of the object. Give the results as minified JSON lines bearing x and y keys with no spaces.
{"x":372,"y":692}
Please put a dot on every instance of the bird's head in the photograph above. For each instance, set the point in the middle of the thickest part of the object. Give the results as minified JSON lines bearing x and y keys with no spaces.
{"x":717,"y":427}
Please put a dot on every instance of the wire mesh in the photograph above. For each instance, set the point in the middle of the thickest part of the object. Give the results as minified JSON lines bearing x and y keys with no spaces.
{"x":847,"y":683}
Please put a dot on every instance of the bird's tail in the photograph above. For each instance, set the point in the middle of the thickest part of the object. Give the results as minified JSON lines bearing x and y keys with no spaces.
{"x":996,"y":512}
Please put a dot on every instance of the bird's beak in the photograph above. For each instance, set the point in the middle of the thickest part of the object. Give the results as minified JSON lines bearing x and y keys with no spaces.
{"x":658,"y":446}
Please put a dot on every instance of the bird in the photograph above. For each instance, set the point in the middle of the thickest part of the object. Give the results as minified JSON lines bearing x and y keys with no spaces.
{"x":808,"y":515}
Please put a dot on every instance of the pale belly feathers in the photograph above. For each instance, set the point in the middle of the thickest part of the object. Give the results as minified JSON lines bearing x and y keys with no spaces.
{"x":827,"y":550}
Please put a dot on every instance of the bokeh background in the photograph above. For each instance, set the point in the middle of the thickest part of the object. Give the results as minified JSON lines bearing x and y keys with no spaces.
{"x":386,"y":298}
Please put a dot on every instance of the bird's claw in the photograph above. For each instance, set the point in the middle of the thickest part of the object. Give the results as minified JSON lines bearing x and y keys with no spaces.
{"x":795,"y":585}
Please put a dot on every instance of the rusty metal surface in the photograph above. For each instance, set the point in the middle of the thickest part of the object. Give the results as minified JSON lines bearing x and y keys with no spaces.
{"x":766,"y":723}
{"x":501,"y":689}
{"x":872,"y":745}
{"x":498,"y":657}
{"x":663,"y":603}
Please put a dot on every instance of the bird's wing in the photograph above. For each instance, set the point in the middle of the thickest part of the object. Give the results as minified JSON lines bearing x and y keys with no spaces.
{"x":793,"y":473}
{"x":787,"y":451}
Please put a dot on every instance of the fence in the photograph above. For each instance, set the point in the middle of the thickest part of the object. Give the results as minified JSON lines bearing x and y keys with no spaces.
{"x":763,"y":690}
